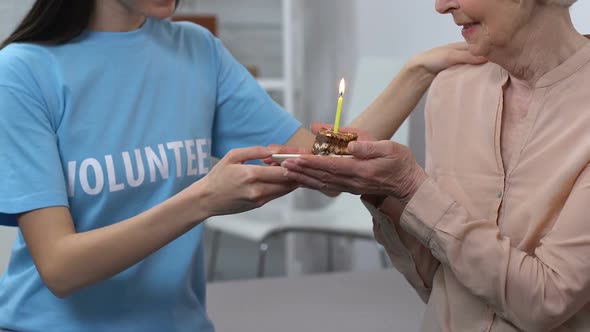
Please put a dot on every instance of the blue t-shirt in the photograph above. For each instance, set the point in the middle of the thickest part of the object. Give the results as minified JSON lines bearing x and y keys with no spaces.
{"x":110,"y":125}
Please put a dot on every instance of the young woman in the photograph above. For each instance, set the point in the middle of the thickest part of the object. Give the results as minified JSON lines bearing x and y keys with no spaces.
{"x":109,"y":116}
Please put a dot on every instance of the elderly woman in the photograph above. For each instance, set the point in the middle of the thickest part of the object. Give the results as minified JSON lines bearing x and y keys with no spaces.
{"x":494,"y":235}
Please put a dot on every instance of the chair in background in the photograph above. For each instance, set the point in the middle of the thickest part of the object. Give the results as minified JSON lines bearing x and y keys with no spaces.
{"x":344,"y":216}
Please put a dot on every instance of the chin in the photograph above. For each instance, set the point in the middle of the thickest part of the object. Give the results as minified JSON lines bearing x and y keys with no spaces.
{"x":161,"y":13}
{"x":478,"y":50}
{"x":162,"y":10}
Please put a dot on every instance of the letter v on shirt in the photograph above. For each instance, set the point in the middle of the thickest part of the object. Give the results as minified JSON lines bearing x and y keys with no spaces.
{"x":128,"y":169}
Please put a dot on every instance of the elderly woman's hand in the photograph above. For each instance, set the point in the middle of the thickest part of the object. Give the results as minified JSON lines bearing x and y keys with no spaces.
{"x":381,"y":167}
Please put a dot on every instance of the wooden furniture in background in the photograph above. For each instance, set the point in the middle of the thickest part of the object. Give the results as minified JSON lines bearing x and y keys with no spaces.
{"x":210,"y":23}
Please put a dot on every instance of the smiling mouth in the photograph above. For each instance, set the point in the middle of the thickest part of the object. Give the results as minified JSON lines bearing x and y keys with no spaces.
{"x":469,"y":25}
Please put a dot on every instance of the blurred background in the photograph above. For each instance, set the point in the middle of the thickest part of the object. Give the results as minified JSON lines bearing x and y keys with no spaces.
{"x":299,"y":50}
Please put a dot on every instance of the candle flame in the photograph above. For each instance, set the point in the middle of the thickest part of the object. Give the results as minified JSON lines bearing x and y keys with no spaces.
{"x":342,"y":86}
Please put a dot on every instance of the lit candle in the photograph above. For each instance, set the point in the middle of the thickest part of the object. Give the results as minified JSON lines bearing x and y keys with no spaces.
{"x":339,"y":108}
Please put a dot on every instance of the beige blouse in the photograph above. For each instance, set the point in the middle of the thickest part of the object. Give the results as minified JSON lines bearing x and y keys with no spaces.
{"x":491,"y":249}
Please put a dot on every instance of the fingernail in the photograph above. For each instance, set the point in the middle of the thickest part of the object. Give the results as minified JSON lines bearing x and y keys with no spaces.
{"x":286,"y":173}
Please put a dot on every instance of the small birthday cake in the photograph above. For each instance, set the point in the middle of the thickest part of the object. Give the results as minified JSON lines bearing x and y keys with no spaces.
{"x":329,"y":143}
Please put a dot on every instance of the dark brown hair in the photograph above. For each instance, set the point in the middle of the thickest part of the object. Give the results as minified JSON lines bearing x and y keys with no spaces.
{"x":53,"y":22}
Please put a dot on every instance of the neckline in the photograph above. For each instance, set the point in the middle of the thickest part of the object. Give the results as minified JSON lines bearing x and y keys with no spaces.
{"x":127,"y":37}
{"x":569,"y":67}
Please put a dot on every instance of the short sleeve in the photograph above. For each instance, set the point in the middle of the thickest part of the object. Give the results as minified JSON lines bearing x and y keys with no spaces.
{"x":32,"y":176}
{"x":245,"y":114}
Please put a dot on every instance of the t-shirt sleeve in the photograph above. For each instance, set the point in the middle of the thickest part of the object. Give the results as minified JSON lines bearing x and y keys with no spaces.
{"x":30,"y":167}
{"x":245,"y":114}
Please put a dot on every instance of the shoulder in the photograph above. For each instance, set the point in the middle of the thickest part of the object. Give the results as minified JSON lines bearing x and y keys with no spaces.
{"x":462,"y":82}
{"x":22,"y":64}
{"x":25,"y":54}
{"x":468,"y":75}
{"x":463,"y":87}
{"x":30,"y":77}
{"x":189,"y":40}
{"x":184,"y":33}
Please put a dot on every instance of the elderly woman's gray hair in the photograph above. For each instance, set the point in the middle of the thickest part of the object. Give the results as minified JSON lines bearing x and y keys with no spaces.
{"x":565,"y":3}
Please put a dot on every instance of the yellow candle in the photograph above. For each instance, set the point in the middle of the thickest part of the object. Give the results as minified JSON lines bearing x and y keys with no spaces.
{"x":339,"y":107}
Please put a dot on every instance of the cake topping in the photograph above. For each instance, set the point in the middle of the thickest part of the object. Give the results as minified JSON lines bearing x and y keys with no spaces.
{"x":327,"y":142}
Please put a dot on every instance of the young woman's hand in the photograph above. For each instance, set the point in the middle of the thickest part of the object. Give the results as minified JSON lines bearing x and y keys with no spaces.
{"x":440,"y":58}
{"x":284,"y":149}
{"x":234,"y":187}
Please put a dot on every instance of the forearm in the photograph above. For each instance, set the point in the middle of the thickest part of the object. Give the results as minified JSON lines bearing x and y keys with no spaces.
{"x":414,"y":261}
{"x":302,"y":139}
{"x":425,"y":263}
{"x":388,"y":111}
{"x":406,"y":253}
{"x":82,"y":259}
{"x":393,"y":106}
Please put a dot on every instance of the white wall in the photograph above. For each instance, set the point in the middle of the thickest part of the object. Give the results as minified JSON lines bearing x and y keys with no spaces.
{"x":581,"y":16}
{"x":401,"y":28}
{"x":10,"y":12}
{"x":404,"y":28}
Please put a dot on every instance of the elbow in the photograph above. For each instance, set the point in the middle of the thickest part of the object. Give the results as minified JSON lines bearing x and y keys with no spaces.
{"x":550,"y":302}
{"x":543,"y":324}
{"x":542,"y":320}
{"x":61,"y":293}
{"x":57,"y":281}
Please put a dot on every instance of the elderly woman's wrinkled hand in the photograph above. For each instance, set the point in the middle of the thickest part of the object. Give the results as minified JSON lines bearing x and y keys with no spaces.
{"x":379,"y":167}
